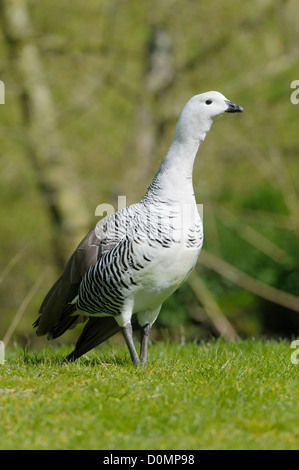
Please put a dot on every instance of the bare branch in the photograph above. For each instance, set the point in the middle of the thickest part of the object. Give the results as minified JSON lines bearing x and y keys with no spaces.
{"x":211,"y":308}
{"x":247,"y":282}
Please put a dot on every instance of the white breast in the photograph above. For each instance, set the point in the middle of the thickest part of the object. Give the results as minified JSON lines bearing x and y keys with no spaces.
{"x":171,"y":261}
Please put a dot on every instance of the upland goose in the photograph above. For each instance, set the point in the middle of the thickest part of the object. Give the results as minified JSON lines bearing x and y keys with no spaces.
{"x":133,"y":259}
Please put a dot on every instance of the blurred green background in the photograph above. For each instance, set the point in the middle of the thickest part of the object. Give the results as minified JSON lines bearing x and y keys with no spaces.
{"x":93,"y":90}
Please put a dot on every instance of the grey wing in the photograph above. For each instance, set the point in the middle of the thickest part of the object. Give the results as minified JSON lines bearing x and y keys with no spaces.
{"x":56,"y":309}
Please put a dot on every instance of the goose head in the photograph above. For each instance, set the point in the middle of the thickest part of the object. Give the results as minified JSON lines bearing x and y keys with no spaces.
{"x":198,"y":114}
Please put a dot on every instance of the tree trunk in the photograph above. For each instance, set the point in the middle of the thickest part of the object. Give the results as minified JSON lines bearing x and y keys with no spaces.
{"x":56,"y":179}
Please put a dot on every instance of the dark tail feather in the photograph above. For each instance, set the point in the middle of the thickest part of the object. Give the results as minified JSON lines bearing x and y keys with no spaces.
{"x":35,"y":324}
{"x":65,"y":323}
{"x":95,"y":332}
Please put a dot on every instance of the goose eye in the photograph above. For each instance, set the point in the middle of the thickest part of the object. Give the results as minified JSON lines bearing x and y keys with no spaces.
{"x":209,"y":102}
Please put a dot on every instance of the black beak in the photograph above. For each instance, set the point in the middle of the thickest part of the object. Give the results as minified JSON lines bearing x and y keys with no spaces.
{"x":233,"y":108}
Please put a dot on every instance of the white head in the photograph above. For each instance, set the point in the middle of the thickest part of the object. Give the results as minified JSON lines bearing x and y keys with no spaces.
{"x":198,"y":114}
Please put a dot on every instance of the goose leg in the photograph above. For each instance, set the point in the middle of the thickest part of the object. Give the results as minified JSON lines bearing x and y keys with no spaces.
{"x":127,"y":331}
{"x":146,"y":320}
{"x":145,"y":331}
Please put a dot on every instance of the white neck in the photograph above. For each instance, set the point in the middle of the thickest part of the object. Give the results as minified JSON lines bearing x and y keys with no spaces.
{"x":173,"y":180}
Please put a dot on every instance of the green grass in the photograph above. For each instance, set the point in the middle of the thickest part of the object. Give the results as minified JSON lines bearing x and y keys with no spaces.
{"x":209,"y":396}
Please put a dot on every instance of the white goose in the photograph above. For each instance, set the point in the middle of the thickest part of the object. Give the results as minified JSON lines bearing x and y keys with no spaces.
{"x":133,"y":259}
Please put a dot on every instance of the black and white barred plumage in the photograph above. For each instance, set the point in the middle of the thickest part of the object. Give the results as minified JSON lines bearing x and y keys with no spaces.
{"x":134,"y":236}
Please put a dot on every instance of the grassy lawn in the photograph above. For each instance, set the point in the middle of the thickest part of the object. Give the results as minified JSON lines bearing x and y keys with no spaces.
{"x":209,"y":396}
